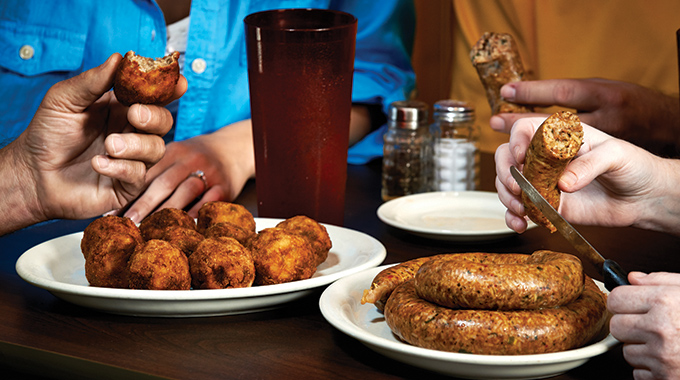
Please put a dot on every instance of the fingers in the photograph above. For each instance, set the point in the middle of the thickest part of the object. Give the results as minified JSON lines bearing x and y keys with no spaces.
{"x":594,"y":160}
{"x":571,"y":93}
{"x":130,"y":173}
{"x":77,"y":93}
{"x":147,"y":149}
{"x":215,"y":193}
{"x":150,"y":118}
{"x":503,"y":122}
{"x":656,"y":278}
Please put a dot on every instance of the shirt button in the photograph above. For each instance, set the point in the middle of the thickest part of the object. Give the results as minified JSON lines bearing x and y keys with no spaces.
{"x":198,"y":65}
{"x":26,"y":52}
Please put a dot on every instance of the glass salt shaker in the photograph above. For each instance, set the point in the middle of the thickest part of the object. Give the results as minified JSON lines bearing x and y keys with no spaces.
{"x":456,"y":152}
{"x":407,"y":150}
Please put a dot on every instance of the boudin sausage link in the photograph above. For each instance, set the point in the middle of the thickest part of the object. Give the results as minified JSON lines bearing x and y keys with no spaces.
{"x":488,"y":332}
{"x":501,"y":281}
{"x":554,"y":144}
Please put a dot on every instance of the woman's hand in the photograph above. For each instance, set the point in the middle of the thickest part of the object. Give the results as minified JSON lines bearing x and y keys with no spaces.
{"x":226,"y":158}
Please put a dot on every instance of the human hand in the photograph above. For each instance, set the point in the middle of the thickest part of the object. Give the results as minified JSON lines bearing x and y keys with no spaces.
{"x":628,"y":111}
{"x":610,"y":182}
{"x":226,"y":157}
{"x":645,"y":320}
{"x":84,"y":153}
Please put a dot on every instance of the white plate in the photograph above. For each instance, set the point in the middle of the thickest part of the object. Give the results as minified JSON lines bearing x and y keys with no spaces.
{"x":58,"y":266}
{"x":449,"y":215}
{"x":341,"y":305}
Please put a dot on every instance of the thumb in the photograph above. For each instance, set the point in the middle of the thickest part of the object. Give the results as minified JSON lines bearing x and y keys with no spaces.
{"x":77,"y":93}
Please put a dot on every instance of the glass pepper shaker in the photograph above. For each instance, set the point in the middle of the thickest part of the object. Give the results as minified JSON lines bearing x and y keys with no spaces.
{"x":407,"y":150}
{"x":456,"y":152}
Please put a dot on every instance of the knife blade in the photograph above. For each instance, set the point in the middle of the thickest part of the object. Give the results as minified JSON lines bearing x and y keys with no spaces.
{"x":609,"y":269}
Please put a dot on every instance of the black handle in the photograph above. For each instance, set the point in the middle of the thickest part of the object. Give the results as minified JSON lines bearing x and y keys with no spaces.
{"x":614,"y":275}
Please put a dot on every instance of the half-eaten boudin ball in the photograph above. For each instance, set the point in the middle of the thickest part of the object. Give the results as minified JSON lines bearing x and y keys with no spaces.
{"x":146,"y":80}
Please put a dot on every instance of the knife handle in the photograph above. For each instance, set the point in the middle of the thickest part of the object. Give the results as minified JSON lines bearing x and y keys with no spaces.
{"x":614,"y":275}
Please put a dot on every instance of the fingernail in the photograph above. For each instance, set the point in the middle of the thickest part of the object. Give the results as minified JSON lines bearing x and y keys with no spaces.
{"x":508,"y":92}
{"x":517,"y":153}
{"x":144,"y":114}
{"x":103,"y":162}
{"x":568,"y":179}
{"x":118,"y":144}
{"x":132,"y":215}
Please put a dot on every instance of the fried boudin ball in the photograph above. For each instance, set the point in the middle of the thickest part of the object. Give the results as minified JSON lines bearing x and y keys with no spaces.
{"x":146,"y":80}
{"x":101,"y":228}
{"x":106,"y":264}
{"x":158,"y":265}
{"x":154,"y":225}
{"x":226,"y":229}
{"x":186,"y":239}
{"x":313,"y":232}
{"x":217,"y":212}
{"x":281,"y":256}
{"x":220,"y":263}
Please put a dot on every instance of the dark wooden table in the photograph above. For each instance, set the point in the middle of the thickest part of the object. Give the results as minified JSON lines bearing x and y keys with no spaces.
{"x":40,"y":334}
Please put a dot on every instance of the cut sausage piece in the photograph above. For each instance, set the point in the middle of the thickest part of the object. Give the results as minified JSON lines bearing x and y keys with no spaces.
{"x":554,"y":144}
{"x":497,"y":60}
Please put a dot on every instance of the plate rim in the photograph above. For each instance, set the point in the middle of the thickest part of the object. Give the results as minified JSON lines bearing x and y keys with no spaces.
{"x":23,"y":268}
{"x":386,"y":208}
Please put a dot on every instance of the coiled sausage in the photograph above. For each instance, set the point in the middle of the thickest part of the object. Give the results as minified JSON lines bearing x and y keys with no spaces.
{"x":501,"y":281}
{"x":519,"y":332}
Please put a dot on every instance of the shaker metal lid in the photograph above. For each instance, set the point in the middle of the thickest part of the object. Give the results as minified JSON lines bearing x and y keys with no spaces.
{"x":408,"y":113}
{"x":454,"y":110}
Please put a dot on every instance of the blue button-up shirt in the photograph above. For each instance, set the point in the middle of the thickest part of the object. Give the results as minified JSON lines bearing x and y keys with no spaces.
{"x":42,"y":42}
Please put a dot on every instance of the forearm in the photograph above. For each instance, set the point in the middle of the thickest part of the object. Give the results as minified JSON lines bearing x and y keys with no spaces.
{"x":18,"y":199}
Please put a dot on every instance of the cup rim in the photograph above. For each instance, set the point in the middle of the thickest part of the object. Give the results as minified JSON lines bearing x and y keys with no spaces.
{"x":250,"y":19}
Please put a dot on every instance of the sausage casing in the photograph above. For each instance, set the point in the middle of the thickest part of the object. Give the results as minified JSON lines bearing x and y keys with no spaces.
{"x":389,"y":278}
{"x":497,"y":60}
{"x":501,"y":281}
{"x":554,"y":144}
{"x":488,"y":332}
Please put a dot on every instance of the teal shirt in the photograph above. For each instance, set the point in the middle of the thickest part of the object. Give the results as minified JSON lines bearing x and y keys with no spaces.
{"x":67,"y":37}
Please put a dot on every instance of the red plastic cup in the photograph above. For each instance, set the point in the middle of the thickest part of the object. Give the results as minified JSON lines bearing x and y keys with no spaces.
{"x":300,"y":65}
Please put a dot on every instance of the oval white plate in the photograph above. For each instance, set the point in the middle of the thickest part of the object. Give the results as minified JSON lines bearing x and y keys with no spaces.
{"x":341,"y":305}
{"x":449,"y":215}
{"x":58,"y":266}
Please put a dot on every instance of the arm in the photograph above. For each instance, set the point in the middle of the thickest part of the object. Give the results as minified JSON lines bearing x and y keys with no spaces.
{"x":610,"y":183}
{"x":628,"y":111}
{"x":80,"y":156}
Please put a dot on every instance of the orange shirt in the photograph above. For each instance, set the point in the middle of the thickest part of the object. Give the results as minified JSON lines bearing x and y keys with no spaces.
{"x":627,"y":40}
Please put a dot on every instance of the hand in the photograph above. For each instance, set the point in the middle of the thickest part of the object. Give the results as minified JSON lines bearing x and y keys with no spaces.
{"x":226,"y":157}
{"x":81,"y":155}
{"x":609,"y":183}
{"x":645,"y":320}
{"x":628,"y":111}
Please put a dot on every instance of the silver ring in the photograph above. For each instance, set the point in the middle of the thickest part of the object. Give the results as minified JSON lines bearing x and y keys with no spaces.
{"x":200,"y":175}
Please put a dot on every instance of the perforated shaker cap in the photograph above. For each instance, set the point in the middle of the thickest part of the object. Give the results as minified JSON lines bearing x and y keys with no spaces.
{"x":454,"y":111}
{"x":408,"y":114}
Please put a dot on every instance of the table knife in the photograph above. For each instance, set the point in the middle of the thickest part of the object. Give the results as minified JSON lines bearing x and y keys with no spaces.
{"x":609,"y":269}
